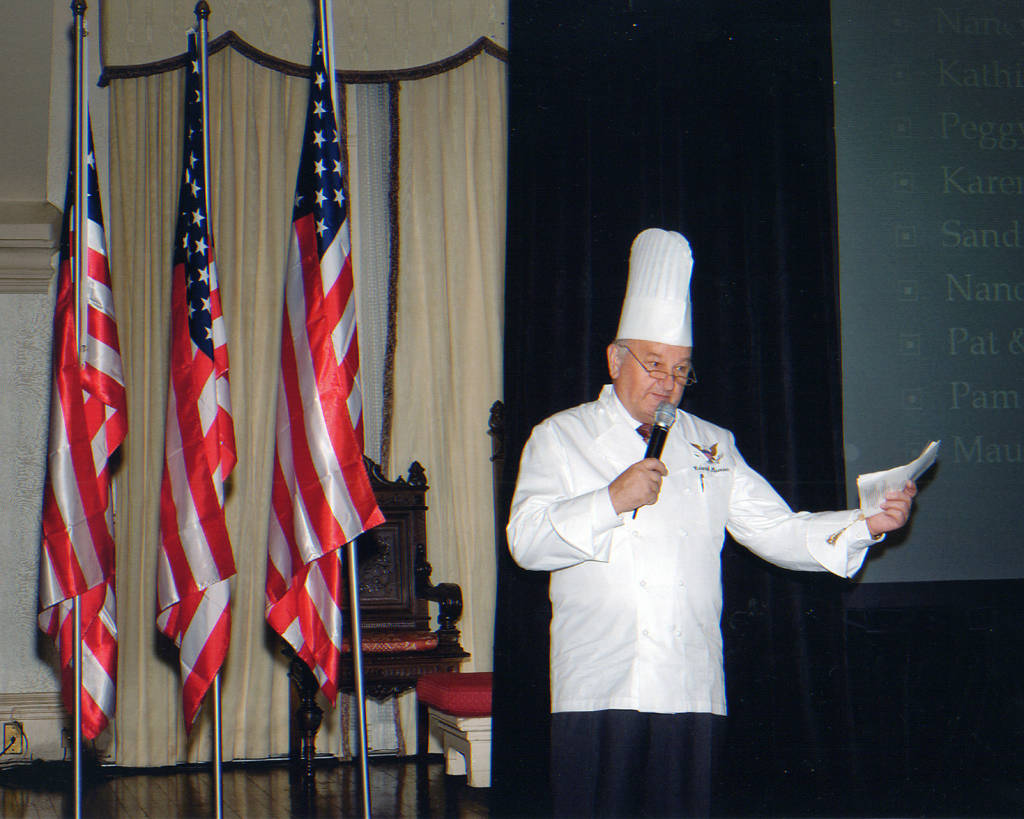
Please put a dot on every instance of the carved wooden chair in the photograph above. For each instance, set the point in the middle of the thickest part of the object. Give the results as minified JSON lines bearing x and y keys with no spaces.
{"x":394,"y":589}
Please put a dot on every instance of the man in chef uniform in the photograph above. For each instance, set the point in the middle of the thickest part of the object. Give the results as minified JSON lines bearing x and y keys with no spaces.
{"x":633,"y":546}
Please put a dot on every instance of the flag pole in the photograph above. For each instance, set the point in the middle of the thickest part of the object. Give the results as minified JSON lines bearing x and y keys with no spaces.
{"x":218,"y":782}
{"x":357,"y":659}
{"x":77,"y":744}
{"x":202,"y":11}
{"x":78,"y":268}
{"x":202,"y":15}
{"x":81,"y":103}
{"x":327,"y":40}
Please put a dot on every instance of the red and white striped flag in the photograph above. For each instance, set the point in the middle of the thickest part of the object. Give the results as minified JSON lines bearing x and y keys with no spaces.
{"x":195,"y":560}
{"x":87,"y":423}
{"x":321,"y":495}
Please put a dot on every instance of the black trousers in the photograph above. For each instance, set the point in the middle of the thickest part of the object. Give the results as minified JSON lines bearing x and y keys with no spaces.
{"x":631,"y":764}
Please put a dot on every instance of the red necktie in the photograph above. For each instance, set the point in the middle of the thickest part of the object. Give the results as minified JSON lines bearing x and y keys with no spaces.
{"x":644,"y":431}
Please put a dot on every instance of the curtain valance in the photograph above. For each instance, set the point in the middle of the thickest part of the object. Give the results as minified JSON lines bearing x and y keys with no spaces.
{"x":369,"y":36}
{"x":229,"y":39}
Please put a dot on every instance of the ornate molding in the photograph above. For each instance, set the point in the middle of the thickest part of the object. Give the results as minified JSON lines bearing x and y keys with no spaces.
{"x":29,"y":232}
{"x":417,"y":476}
{"x":43,"y":705}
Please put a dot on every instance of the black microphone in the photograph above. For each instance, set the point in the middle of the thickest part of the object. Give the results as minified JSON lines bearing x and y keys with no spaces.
{"x":664,"y":418}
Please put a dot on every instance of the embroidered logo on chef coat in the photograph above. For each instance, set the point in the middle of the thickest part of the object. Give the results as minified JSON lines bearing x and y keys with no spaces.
{"x":712,"y":458}
{"x":710,"y":453}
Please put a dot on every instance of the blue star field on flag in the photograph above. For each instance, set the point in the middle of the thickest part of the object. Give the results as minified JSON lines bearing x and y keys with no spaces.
{"x":193,"y":244}
{"x":320,"y":185}
{"x":93,"y":206}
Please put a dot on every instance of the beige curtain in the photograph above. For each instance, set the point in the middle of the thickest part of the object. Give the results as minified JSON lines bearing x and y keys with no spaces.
{"x":447,"y":369}
{"x":450,"y":309}
{"x":256,"y":132}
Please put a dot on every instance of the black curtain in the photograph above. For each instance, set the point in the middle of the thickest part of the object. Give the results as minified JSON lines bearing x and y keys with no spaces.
{"x":715,"y":119}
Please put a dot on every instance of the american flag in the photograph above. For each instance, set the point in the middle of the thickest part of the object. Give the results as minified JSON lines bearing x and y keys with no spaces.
{"x":321,"y":495}
{"x":195,"y":559}
{"x":87,"y":424}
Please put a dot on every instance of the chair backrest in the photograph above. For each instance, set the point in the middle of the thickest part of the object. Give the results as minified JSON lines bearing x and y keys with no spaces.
{"x":387,"y":554}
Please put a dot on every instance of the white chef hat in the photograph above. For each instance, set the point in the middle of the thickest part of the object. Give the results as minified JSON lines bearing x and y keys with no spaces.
{"x":657,"y":302}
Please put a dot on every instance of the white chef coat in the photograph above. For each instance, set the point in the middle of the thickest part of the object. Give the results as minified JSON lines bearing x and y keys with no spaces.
{"x":636,"y":603}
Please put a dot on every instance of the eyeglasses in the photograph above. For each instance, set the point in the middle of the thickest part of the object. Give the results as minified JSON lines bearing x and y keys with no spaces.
{"x":685,"y":377}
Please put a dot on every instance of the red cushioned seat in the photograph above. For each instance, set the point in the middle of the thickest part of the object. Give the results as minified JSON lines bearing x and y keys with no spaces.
{"x":462,"y":695}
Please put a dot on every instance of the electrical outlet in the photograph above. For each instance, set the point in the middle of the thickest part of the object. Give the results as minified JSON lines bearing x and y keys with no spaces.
{"x":14,"y":739}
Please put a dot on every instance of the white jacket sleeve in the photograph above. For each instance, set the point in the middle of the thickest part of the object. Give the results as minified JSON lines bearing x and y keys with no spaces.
{"x":761,"y":520}
{"x":552,"y":525}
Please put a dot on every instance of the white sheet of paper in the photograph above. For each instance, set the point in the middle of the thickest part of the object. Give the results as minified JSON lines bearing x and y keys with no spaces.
{"x":871,"y":487}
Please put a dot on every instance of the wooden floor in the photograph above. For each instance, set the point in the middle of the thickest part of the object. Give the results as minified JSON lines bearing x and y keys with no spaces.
{"x":398,"y":788}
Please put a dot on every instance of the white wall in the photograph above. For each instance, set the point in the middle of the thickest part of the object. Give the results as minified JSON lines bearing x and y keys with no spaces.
{"x":29,"y":688}
{"x":25,"y":42}
{"x":35,"y":96}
